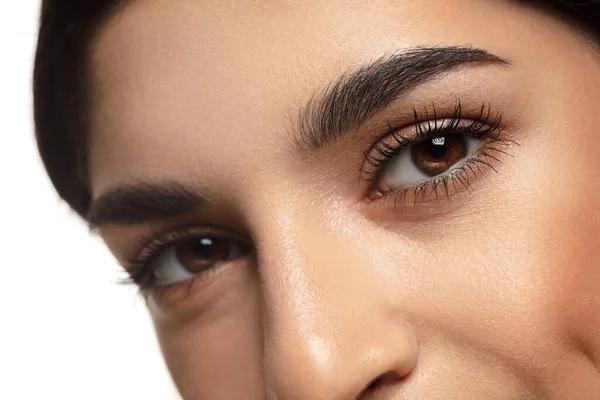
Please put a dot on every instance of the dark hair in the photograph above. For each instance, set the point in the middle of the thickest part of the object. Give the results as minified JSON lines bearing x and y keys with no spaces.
{"x":61,"y":82}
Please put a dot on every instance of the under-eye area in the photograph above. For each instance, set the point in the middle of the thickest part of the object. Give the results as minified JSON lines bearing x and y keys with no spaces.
{"x":339,"y":200}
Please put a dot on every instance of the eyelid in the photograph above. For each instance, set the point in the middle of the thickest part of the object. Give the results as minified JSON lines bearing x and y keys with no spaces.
{"x":400,"y":137}
{"x":183,"y":232}
{"x":151,"y":247}
{"x":484,"y":125}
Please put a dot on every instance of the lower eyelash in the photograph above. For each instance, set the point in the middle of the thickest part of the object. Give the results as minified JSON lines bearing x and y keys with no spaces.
{"x":460,"y":175}
{"x":139,"y":276}
{"x":485,"y":127}
{"x":150,"y":247}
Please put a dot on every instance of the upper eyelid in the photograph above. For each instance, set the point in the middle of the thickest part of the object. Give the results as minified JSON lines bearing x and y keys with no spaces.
{"x":137,"y":265}
{"x":333,"y":113}
{"x":159,"y":241}
{"x":432,"y":111}
{"x":401,"y":118}
{"x":484,"y":117}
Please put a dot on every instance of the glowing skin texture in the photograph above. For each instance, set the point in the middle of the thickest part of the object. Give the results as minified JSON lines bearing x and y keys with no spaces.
{"x":487,"y":287}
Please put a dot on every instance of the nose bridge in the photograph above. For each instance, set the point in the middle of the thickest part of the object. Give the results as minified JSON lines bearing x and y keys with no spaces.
{"x":327,"y":333}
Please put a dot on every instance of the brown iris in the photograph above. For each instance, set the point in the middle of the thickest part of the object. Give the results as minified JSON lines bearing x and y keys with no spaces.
{"x":435,"y":156}
{"x":198,"y":255}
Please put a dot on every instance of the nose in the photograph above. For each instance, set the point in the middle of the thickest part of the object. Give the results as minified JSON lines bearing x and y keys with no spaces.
{"x":353,"y":360}
{"x":329,"y":331}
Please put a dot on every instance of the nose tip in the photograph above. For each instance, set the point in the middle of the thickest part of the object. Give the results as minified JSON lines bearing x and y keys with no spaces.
{"x":332,"y":330}
{"x":347,"y":367}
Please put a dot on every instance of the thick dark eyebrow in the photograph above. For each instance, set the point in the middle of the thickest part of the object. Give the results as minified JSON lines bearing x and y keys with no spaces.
{"x":344,"y":106}
{"x":139,"y":203}
{"x":351,"y":100}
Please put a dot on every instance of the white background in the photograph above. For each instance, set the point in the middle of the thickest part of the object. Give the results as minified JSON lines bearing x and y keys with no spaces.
{"x":67,"y":329}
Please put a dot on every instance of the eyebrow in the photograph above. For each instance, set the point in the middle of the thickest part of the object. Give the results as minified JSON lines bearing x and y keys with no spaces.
{"x":351,"y":100}
{"x":343,"y":107}
{"x":139,"y":203}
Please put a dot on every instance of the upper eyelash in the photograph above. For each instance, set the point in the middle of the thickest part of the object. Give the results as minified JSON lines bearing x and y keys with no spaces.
{"x":138,"y":272}
{"x":484,"y":125}
{"x":137,"y":268}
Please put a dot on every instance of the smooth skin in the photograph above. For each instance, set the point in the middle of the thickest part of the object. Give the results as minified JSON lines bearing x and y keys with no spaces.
{"x":490,"y":293}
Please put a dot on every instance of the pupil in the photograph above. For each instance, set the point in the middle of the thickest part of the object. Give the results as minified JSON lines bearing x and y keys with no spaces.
{"x":437,"y":148}
{"x":437,"y":155}
{"x":197,"y":255}
{"x":204,"y":248}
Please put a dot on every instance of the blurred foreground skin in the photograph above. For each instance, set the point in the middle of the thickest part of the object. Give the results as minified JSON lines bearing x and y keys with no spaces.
{"x":484,"y":287}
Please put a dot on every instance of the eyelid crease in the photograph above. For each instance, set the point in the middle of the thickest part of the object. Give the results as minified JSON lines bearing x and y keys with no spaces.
{"x":481,"y":125}
{"x":347,"y":103}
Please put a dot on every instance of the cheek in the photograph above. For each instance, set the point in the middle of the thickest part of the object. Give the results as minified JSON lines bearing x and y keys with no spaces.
{"x":570,"y":218}
{"x":574,"y":261}
{"x":548,"y":242}
{"x":553,"y":215}
{"x":214,"y":350}
{"x":516,"y":277}
{"x":572,"y":233}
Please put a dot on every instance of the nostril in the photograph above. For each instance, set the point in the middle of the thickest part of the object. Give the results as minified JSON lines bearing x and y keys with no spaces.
{"x":386,"y":379}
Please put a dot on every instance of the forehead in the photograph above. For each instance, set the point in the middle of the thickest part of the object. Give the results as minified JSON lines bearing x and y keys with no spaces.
{"x":177,"y":82}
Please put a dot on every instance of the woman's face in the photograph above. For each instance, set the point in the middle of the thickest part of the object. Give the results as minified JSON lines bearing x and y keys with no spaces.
{"x":341,"y":200}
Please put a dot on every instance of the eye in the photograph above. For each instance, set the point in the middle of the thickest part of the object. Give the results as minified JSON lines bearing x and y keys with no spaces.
{"x":423,"y":160}
{"x":442,"y":152}
{"x":188,"y":258}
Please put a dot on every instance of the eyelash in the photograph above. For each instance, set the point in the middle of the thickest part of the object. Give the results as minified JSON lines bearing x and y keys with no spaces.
{"x":485,"y":126}
{"x":138,"y":268}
